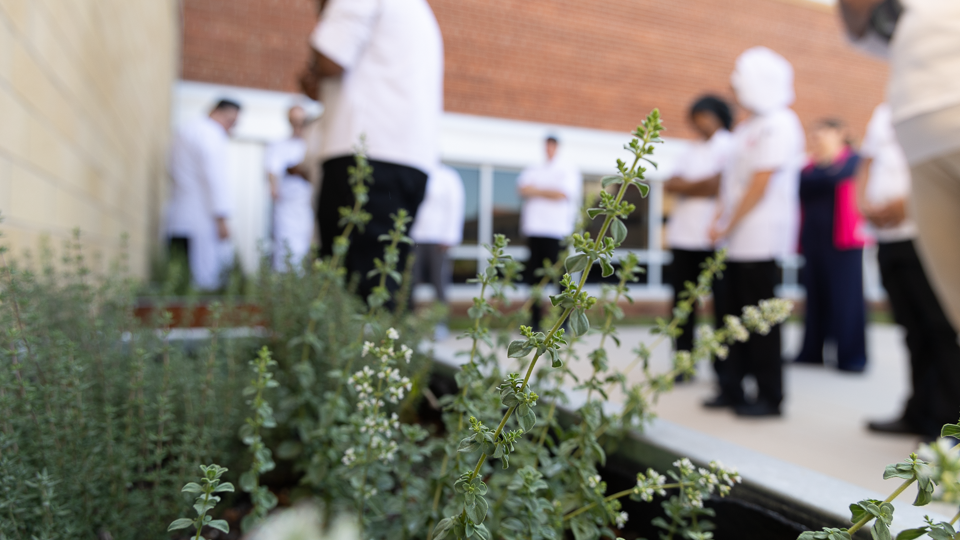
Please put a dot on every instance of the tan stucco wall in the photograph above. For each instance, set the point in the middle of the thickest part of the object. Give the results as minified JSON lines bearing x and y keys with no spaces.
{"x":85,"y":90}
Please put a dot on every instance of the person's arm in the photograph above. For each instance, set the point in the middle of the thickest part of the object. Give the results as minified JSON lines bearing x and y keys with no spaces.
{"x":218,"y":186}
{"x":532,"y":191}
{"x":863,"y":180}
{"x":340,"y":37}
{"x":750,"y":199}
{"x":856,"y":15}
{"x":709,"y":187}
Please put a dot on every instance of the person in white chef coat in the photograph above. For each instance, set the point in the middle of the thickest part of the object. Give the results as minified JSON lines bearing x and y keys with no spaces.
{"x":378,"y":69}
{"x":552,"y":193}
{"x":201,"y":197}
{"x":439,"y":226}
{"x":929,"y":336}
{"x":292,"y":196}
{"x":695,"y":184}
{"x":757,"y":221}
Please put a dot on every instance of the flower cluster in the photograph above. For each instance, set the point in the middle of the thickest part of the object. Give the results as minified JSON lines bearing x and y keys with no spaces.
{"x":375,"y":389}
{"x":650,"y":484}
{"x":767,"y":314}
{"x":736,"y":329}
{"x":697,"y":483}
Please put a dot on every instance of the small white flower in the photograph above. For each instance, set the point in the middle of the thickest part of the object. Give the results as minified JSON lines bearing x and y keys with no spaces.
{"x":621,"y":519}
{"x":593,"y":481}
{"x":407,"y":353}
{"x":367,"y":347}
{"x":393,"y":334}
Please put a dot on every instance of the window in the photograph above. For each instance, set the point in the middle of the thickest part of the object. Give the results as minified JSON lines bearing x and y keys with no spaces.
{"x":471,"y":214}
{"x":506,"y":205}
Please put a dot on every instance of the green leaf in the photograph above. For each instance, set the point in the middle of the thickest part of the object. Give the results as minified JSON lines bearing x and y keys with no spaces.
{"x":912,"y":534}
{"x":880,"y":531}
{"x":468,"y":445}
{"x":610,"y":180}
{"x":220,"y":525}
{"x":557,"y":362}
{"x":606,"y":269}
{"x":592,"y":213}
{"x":644,"y":188}
{"x":519,"y":348}
{"x":576,"y":263}
{"x":478,"y":511}
{"x":950,"y":430}
{"x":225,"y":487}
{"x":579,"y":322}
{"x":192,"y":487}
{"x":443,"y":528}
{"x":528,"y":420}
{"x":618,"y":231}
{"x":181,"y":523}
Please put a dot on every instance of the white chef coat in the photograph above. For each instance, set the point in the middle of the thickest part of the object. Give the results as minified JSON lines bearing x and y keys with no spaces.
{"x":889,"y":172}
{"x":773,"y":141}
{"x":440,"y":216}
{"x":549,"y":218}
{"x":200,"y":192}
{"x":293,"y":209}
{"x":924,"y":88}
{"x":391,"y":90}
{"x":691,"y":217}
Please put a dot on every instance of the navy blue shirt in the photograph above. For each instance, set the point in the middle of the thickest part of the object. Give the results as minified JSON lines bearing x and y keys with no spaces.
{"x":818,"y":193}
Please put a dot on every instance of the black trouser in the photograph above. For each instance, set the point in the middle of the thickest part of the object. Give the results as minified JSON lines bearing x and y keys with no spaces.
{"x":394,"y":187}
{"x":686,"y":266}
{"x":542,"y":250}
{"x":835,"y":309}
{"x":745,"y":284}
{"x":433,"y":266}
{"x":931,"y":339}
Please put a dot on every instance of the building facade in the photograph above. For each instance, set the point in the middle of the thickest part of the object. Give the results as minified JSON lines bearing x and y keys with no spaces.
{"x":518,"y":69}
{"x":84,"y":121}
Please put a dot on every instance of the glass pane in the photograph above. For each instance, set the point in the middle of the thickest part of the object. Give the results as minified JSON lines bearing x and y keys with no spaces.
{"x":471,"y":190}
{"x":464,"y":269}
{"x":506,"y":205}
{"x":637,"y":224}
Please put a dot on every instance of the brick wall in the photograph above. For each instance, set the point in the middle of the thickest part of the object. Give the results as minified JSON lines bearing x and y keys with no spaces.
{"x":84,"y":115}
{"x":592,"y":64}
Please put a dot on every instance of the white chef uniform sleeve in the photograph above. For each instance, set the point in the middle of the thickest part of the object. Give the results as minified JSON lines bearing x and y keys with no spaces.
{"x":874,"y":136}
{"x":344,"y":30}
{"x":215,"y":155}
{"x":773,"y":149}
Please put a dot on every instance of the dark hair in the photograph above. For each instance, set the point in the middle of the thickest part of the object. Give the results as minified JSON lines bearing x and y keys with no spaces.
{"x":553,"y":139}
{"x":835,"y":124}
{"x":831,"y":123}
{"x":715,"y":106}
{"x":226,"y":104}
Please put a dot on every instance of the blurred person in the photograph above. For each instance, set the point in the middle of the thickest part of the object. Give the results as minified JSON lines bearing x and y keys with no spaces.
{"x":922,"y":40}
{"x":931,"y":339}
{"x":756,"y":221}
{"x":831,"y":241}
{"x":439,"y":226}
{"x":696,"y":184}
{"x":201,"y":197}
{"x":292,"y":194}
{"x":551,"y":194}
{"x":378,"y":69}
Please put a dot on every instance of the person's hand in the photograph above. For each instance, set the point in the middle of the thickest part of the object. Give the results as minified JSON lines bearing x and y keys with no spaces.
{"x":300,"y":169}
{"x":887,"y":215}
{"x":717,"y":232}
{"x":274,"y":188}
{"x":223,"y":232}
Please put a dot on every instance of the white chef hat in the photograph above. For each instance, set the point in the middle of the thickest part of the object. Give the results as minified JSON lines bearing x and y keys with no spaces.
{"x":763,"y":81}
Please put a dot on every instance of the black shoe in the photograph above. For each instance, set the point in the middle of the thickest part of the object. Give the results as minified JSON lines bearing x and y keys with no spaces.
{"x":853,"y":369}
{"x":757,"y":409}
{"x":894,"y":427}
{"x":721,"y":401}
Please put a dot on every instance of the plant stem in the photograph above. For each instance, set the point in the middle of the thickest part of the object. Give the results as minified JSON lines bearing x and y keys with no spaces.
{"x":560,"y":321}
{"x":955,"y":518}
{"x":866,"y":519}
{"x":615,"y":496}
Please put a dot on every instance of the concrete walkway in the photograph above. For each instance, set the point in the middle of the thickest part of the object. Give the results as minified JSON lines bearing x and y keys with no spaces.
{"x":825,"y":413}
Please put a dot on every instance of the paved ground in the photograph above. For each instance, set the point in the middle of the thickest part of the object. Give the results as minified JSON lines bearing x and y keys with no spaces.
{"x":825,"y":412}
